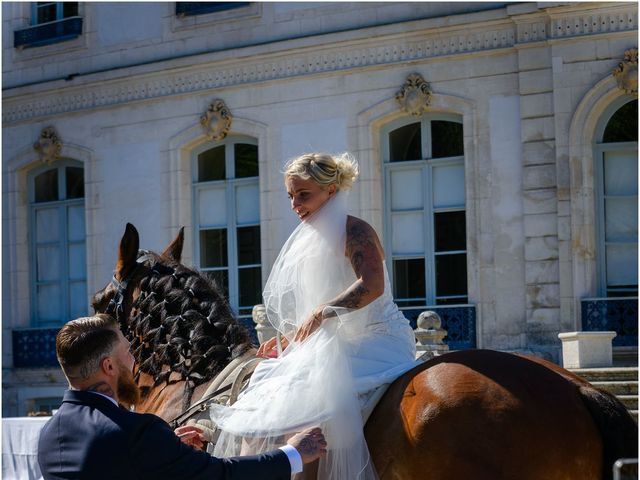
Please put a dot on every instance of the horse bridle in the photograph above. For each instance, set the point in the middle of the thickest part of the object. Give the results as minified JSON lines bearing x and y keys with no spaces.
{"x":116,"y":304}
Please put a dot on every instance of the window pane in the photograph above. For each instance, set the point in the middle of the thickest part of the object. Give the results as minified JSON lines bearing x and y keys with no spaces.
{"x":408,"y":278}
{"x":622,"y":265}
{"x":248,"y":203}
{"x":248,"y":245}
{"x":405,"y":143}
{"x":46,"y":12}
{"x":451,"y":275}
{"x":452,"y":301}
{"x":450,"y":231}
{"x":627,"y":291}
{"x":621,"y":173}
{"x":75,"y":227}
{"x":46,"y":186}
{"x":221,"y":279}
{"x":213,"y":248}
{"x":75,"y":182}
{"x":212,"y":206}
{"x":70,"y":9}
{"x":48,"y":263}
{"x":406,"y":189}
{"x":250,"y":286}
{"x":77,"y":299}
{"x":211,"y":165}
{"x":246,"y":158}
{"x":621,"y":219}
{"x":47,"y":225}
{"x":77,"y":262}
{"x":446,"y":139}
{"x":448,"y":186}
{"x":407,"y":233}
{"x":623,"y":126}
{"x":49,"y":304}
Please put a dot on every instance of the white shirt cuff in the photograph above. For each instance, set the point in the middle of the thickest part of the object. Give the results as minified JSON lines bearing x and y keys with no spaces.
{"x":294,"y":458}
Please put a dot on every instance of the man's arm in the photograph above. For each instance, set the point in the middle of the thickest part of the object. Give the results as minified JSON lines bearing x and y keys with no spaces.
{"x":157,"y":453}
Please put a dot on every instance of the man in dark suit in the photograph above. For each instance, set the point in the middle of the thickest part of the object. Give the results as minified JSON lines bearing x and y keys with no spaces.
{"x":92,"y":437}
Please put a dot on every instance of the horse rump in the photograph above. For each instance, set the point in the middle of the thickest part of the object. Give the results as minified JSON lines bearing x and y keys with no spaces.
{"x":618,"y":429}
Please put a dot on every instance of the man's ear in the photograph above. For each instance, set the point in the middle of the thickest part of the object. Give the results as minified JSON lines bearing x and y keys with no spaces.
{"x":108,"y":366}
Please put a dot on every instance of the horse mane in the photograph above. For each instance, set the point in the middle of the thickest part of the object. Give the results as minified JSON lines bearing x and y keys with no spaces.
{"x":181,"y":324}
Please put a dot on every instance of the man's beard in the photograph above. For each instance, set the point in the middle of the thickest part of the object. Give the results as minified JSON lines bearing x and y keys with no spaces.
{"x":128,"y":390}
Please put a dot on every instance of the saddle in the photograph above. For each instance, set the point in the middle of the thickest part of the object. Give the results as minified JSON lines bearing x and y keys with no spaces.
{"x":234,"y":378}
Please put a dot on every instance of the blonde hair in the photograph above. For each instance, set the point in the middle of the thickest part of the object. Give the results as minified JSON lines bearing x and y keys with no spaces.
{"x":324,"y":169}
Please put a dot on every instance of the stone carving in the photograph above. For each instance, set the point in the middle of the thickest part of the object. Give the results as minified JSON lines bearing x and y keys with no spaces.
{"x":430,"y":334}
{"x":48,"y":146}
{"x":415,"y":95}
{"x":626,"y":73}
{"x":264,"y":329}
{"x":216,"y":121}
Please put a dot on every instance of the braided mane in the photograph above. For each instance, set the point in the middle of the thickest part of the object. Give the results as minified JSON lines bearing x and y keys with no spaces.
{"x":181,"y":324}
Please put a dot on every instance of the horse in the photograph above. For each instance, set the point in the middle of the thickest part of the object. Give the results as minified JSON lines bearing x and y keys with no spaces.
{"x":478,"y":414}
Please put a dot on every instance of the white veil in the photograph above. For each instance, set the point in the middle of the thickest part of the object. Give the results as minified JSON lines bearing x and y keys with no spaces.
{"x":311,"y":383}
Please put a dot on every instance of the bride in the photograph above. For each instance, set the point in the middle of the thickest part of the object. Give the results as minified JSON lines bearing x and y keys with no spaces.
{"x":329,"y":297}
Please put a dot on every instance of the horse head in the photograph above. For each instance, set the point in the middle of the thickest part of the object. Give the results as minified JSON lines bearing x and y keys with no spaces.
{"x":180,"y":326}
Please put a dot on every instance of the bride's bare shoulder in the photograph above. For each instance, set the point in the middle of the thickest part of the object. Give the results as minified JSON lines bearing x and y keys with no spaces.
{"x":358,"y":229}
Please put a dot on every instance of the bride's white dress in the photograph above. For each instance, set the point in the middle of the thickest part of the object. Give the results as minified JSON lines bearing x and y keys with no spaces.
{"x":319,"y":381}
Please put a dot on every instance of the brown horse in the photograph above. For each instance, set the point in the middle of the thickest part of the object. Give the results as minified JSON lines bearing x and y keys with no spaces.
{"x":470,"y":414}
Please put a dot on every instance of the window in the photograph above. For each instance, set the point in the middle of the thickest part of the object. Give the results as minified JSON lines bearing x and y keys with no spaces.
{"x":184,"y":9}
{"x":425,"y":211}
{"x":51,"y":22}
{"x":227,"y":219}
{"x":57,"y":244}
{"x":45,"y":12}
{"x":617,"y":203}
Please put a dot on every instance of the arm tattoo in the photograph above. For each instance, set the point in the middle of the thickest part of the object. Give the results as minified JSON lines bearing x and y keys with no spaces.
{"x":362,"y":250}
{"x":360,"y":245}
{"x":102,"y":387}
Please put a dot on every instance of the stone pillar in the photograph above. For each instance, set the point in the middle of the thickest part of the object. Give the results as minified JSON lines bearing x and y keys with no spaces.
{"x":430,"y":334}
{"x":587,"y":349}
{"x":264,"y":329}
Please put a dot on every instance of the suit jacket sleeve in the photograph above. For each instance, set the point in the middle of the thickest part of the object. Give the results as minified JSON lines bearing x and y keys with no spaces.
{"x":157,"y":453}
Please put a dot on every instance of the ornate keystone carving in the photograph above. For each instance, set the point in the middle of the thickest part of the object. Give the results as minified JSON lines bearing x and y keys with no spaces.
{"x":216,"y":121}
{"x":626,"y":73}
{"x":415,"y":95}
{"x":48,"y":146}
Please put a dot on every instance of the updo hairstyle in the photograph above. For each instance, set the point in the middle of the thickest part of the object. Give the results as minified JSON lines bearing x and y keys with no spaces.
{"x":324,"y":169}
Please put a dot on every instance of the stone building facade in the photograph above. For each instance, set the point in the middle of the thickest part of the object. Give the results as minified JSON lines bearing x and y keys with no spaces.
{"x":497,"y":157}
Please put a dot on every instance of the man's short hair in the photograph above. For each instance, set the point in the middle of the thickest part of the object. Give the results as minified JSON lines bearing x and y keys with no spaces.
{"x":82,"y":344}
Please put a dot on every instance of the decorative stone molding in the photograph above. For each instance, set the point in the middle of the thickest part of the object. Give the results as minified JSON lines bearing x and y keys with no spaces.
{"x":48,"y":145}
{"x":429,"y":43}
{"x":626,"y":73}
{"x":216,"y":121}
{"x":415,"y":95}
{"x":603,"y":21}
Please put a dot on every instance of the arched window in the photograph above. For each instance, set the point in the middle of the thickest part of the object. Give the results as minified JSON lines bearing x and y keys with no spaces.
{"x":57,"y":243}
{"x":616,"y":173}
{"x":425,"y":224}
{"x":227,"y":219}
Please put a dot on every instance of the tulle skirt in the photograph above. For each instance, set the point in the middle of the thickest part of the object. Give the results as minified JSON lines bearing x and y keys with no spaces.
{"x":311,"y":384}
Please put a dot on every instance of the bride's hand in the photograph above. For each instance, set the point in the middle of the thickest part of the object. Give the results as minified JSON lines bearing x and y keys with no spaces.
{"x":309,"y":326}
{"x":266,"y":350}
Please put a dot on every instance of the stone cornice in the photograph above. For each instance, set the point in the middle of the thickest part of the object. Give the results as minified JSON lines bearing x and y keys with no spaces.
{"x":389,"y":49}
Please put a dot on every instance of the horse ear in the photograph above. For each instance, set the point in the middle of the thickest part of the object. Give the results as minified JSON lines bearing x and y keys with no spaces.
{"x":174,"y":250}
{"x":127,"y":252}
